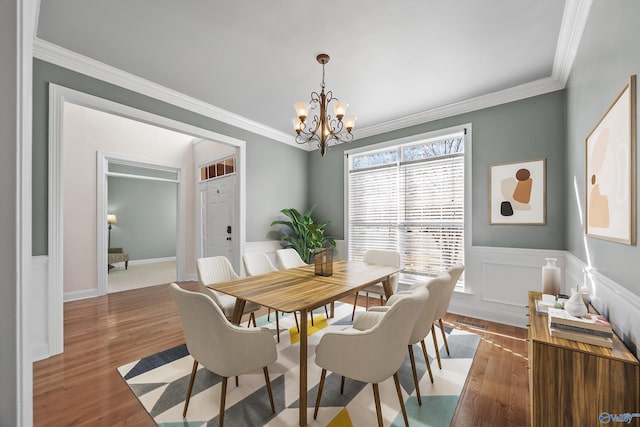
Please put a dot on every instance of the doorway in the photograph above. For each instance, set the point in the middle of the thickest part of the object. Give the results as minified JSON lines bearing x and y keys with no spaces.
{"x":96,"y":242}
{"x":143,"y":218}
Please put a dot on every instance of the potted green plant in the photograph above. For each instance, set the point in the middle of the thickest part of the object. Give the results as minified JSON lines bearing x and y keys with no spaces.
{"x":304,"y":234}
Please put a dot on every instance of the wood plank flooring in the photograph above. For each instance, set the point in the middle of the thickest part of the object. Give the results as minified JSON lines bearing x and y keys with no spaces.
{"x":81,"y":387}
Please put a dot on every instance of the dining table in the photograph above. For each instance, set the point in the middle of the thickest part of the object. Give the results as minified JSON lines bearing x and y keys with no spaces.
{"x":301,"y":290}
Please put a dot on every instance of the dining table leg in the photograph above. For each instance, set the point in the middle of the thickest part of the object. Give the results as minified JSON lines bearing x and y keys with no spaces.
{"x":303,"y":367}
{"x":388,"y":290}
{"x":238,"y":310}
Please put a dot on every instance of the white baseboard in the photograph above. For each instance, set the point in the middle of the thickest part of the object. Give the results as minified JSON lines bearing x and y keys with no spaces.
{"x":78,"y":295}
{"x":151,"y":260}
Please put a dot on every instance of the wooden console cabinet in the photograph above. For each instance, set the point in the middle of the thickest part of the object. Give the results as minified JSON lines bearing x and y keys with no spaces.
{"x":572,"y":384}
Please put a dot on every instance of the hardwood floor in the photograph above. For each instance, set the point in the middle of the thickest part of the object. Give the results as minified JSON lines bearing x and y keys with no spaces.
{"x":81,"y":387}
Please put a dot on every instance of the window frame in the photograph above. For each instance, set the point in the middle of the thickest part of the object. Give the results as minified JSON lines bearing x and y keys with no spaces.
{"x":466,"y":130}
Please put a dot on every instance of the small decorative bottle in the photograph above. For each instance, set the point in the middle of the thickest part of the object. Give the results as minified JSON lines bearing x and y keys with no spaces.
{"x":551,"y":277}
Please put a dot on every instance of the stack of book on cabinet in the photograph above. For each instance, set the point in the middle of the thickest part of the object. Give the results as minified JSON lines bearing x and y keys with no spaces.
{"x":591,"y":328}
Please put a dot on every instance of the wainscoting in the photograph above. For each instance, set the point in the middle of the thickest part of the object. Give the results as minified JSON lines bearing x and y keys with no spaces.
{"x":496,"y":280}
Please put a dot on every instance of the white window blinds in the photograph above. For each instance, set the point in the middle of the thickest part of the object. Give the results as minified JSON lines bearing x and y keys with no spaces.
{"x":412,"y":202}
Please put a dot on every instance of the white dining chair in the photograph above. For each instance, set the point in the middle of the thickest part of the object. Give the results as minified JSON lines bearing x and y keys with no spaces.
{"x":454,"y":272}
{"x":381,"y":257}
{"x":222,"y":348}
{"x":424,"y":321}
{"x":219,"y":269}
{"x":256,"y":263}
{"x":289,"y":258}
{"x":385,"y":335}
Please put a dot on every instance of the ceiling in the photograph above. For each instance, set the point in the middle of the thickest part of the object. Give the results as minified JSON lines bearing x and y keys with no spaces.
{"x":395,"y":63}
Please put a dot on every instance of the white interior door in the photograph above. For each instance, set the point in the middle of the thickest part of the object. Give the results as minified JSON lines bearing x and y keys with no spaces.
{"x":219,"y":224}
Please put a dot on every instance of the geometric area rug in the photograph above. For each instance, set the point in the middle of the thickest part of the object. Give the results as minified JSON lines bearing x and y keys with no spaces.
{"x":160,"y":383}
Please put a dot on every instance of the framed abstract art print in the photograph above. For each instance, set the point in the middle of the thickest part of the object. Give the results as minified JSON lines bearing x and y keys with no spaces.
{"x":518,"y":193}
{"x":610,"y":185}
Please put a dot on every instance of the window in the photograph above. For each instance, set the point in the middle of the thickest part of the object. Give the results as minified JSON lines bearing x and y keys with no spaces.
{"x":220,"y":168}
{"x":409,"y":197}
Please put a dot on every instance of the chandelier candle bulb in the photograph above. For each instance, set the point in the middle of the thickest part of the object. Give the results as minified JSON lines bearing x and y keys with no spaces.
{"x":349,"y":123}
{"x":302,"y":109}
{"x":340,"y":109}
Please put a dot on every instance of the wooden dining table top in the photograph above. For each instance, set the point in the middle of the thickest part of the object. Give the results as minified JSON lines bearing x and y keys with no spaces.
{"x":299,"y":288}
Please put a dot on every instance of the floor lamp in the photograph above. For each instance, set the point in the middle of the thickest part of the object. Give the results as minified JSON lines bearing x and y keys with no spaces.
{"x":111,"y":219}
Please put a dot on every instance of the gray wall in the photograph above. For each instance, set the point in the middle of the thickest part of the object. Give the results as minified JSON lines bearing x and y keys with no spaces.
{"x":147,"y":215}
{"x":529,"y":129}
{"x":8,"y":136}
{"x":276,"y":173}
{"x":607,"y":56}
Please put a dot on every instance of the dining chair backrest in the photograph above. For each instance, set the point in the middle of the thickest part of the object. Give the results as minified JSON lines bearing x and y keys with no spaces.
{"x":385,"y":257}
{"x":439,"y":289}
{"x":212,"y":340}
{"x":342,"y":351}
{"x":288,"y":258}
{"x":257,"y":263}
{"x":213,"y":270}
{"x":454,"y":272}
{"x":428,"y":310}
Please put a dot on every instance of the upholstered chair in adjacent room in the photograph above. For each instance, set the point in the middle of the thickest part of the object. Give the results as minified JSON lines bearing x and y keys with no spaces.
{"x":345,"y":352}
{"x":381,"y":257}
{"x":256,"y":263}
{"x":219,"y":269}
{"x":219,"y":346}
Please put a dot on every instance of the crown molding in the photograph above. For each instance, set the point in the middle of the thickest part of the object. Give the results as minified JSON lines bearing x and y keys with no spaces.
{"x":574,"y":18}
{"x":60,"y":56}
{"x":515,"y":93}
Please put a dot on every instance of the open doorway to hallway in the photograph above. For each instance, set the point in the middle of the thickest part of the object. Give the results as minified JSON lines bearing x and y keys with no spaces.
{"x":142,"y":210}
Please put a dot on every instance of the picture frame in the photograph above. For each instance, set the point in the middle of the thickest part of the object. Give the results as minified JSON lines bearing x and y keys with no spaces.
{"x":518,"y":193}
{"x":610,"y":171}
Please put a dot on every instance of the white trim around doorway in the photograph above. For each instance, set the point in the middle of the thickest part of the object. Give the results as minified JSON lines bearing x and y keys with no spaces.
{"x":52,"y":320}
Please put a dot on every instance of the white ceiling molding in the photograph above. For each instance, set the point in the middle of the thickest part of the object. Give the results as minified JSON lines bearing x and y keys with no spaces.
{"x":515,"y":93}
{"x":574,"y":20}
{"x":58,"y":55}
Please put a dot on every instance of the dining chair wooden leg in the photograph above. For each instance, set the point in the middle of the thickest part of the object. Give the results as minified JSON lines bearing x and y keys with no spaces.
{"x":401,"y":399}
{"x":435,"y":344}
{"x":355,"y":300}
{"x":426,"y":359}
{"x":342,"y":385}
{"x":252,"y":316}
{"x":277,"y":326}
{"x":269,"y":313}
{"x":266,"y":379}
{"x":295,"y":316}
{"x":223,"y":396}
{"x":415,"y":373}
{"x":193,"y":377}
{"x":376,"y":398}
{"x":444,"y":336}
{"x":326,"y":312}
{"x":381,"y":300}
{"x":311,"y":315}
{"x":366,"y":301}
{"x":237,"y":381}
{"x":320,"y":386}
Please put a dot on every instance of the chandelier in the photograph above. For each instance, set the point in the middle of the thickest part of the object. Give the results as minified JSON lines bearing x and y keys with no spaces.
{"x":324,"y":129}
